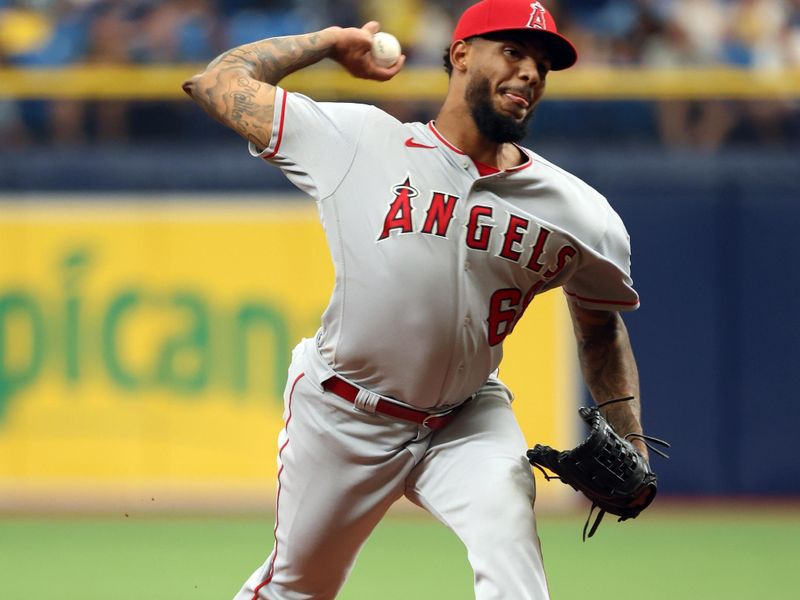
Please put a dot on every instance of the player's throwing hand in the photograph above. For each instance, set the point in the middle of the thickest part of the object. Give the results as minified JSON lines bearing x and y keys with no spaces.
{"x":353,"y":50}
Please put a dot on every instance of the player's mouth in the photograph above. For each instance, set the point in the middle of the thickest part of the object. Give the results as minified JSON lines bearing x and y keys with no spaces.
{"x":518,"y":100}
{"x":518,"y":97}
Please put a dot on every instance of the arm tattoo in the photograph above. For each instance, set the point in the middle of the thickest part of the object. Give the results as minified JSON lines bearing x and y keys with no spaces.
{"x":243,"y":105}
{"x":235,"y":86}
{"x":609,"y":369}
{"x":273,"y":59}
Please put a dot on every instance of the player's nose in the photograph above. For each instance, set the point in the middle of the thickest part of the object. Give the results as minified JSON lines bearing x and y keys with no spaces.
{"x":528,"y":71}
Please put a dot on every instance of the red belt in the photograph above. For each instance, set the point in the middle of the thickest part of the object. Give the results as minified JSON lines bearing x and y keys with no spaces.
{"x":370,"y":402}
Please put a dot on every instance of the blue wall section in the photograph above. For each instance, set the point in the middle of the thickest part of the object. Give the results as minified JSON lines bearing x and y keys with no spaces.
{"x":770,"y":339}
{"x":715,"y":260}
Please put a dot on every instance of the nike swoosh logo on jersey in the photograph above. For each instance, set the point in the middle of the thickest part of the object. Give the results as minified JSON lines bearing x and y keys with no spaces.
{"x":412,"y":144}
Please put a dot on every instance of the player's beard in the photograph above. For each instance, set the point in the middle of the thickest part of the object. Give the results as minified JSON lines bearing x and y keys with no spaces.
{"x":493,"y":125}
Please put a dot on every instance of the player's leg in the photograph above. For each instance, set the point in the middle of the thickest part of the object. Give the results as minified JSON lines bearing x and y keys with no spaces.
{"x":476,"y":480}
{"x":339,"y":471}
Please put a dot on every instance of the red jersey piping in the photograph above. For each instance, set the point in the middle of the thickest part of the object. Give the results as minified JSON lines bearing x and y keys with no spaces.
{"x":596,"y":301}
{"x":524,"y":165}
{"x":442,"y":139}
{"x":280,"y":127}
{"x":435,"y":131}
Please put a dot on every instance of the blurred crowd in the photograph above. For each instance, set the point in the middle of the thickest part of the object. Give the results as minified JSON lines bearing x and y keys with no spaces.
{"x":757,"y":34}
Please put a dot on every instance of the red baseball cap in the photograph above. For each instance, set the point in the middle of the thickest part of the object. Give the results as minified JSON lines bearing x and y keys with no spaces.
{"x":489,"y":16}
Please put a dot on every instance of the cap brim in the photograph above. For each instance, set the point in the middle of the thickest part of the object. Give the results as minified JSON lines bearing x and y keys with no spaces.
{"x":561,"y":51}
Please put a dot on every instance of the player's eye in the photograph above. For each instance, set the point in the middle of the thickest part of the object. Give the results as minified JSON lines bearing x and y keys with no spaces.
{"x":512,"y":52}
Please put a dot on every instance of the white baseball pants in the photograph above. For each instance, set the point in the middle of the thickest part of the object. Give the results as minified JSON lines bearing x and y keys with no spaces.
{"x":340,"y":469}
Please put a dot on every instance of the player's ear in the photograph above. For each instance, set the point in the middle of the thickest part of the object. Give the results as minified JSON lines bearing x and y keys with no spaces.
{"x":458,"y":55}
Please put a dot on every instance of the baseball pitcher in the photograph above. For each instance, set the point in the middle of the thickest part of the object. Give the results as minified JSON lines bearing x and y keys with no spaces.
{"x":441,"y":234}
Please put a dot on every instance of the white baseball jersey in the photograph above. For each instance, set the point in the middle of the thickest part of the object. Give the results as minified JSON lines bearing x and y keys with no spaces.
{"x":435,"y":263}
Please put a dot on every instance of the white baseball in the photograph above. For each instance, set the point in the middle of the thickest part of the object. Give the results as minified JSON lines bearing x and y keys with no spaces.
{"x":385,"y":49}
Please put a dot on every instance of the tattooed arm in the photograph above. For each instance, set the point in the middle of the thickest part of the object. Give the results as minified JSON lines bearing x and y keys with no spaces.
{"x":608,"y":366}
{"x":238,"y":87}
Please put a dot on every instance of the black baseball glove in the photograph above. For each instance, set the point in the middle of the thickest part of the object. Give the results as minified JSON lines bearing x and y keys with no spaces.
{"x":605,"y":467}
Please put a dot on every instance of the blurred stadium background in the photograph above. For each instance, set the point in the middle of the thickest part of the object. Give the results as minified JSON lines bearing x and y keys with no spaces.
{"x":154,"y":278}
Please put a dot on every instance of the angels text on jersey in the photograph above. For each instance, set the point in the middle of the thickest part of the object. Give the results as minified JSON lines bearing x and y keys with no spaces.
{"x":522,"y":241}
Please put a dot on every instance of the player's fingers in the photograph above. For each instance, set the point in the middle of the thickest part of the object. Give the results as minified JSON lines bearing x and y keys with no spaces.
{"x":396,"y":67}
{"x":372,"y":27}
{"x":386,"y":73}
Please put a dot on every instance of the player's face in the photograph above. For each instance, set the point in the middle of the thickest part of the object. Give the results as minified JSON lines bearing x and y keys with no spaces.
{"x":507,"y":80}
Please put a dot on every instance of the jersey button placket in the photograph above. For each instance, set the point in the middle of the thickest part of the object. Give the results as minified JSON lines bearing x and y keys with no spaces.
{"x":457,"y":367}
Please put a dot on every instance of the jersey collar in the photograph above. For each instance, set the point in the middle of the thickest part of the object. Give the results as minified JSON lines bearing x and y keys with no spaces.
{"x":452,"y":148}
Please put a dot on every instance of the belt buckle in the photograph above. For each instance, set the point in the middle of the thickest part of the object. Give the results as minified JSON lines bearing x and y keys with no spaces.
{"x":440,"y":415}
{"x":425,"y":421}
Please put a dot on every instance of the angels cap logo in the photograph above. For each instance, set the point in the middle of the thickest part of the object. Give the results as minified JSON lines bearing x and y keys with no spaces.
{"x":537,"y":20}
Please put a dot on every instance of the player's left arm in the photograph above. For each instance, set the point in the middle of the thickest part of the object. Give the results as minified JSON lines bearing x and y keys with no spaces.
{"x":609,"y":367}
